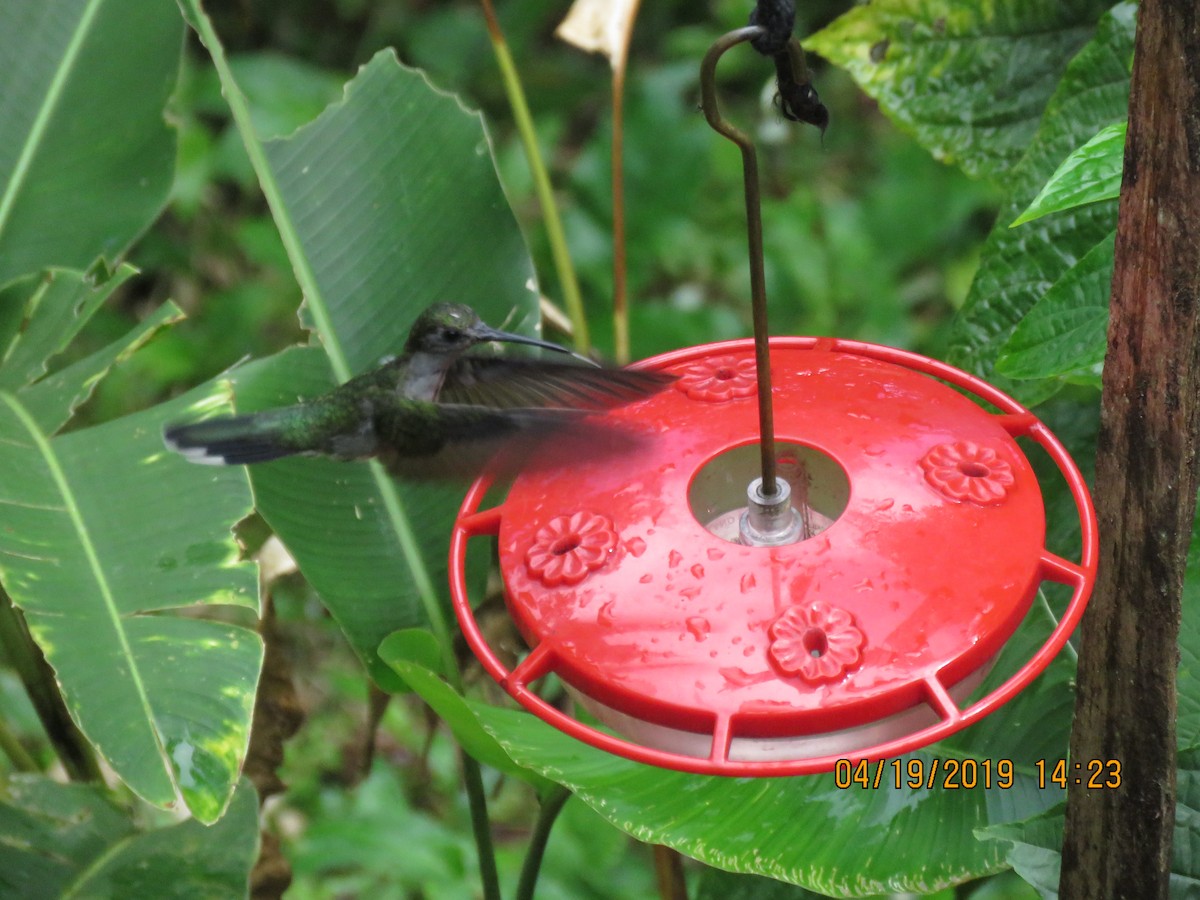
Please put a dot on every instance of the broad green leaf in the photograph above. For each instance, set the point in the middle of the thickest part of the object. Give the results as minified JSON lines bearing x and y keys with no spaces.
{"x":104,"y":531}
{"x":57,"y":305}
{"x":52,"y":831}
{"x":1066,"y":332}
{"x":1034,"y":847}
{"x":842,"y":842}
{"x":454,"y":711}
{"x":53,"y":399}
{"x":394,"y":200}
{"x":1090,"y":174}
{"x":968,"y":80}
{"x":412,"y":645}
{"x":1019,"y":265}
{"x":86,"y":156}
{"x":185,"y":861}
{"x":71,"y":840}
{"x":387,"y":202}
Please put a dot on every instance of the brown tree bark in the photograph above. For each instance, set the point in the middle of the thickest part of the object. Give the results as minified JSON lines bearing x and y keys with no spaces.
{"x":1118,"y":842}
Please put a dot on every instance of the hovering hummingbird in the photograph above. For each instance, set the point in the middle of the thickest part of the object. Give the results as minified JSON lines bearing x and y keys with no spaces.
{"x":432,"y":411}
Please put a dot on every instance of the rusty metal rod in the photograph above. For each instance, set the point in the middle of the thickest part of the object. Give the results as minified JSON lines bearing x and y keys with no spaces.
{"x":758,"y":289}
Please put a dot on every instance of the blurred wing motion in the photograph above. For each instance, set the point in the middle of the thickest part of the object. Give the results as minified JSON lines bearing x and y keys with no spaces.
{"x":500,"y":383}
{"x":485,"y":405}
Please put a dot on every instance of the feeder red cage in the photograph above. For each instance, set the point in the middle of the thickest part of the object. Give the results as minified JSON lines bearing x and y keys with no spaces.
{"x":925,"y":549}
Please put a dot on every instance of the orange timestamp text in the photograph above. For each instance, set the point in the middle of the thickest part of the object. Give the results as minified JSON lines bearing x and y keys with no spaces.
{"x":968,"y":774}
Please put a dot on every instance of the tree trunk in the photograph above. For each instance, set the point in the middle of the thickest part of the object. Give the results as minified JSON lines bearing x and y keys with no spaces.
{"x":1118,"y":841}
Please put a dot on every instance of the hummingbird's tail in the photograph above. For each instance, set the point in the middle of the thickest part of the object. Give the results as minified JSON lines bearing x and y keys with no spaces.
{"x":235,"y":440}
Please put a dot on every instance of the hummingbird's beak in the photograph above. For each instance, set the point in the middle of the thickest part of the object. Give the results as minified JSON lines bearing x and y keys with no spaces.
{"x":486,"y":333}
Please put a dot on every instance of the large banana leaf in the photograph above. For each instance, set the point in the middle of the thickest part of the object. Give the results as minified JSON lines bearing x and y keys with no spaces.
{"x":70,"y":840}
{"x":104,"y":532}
{"x":387,"y":202}
{"x":849,"y":842}
{"x":86,"y":156}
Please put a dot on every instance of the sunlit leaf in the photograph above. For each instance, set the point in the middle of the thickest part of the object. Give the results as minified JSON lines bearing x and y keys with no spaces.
{"x":1066,"y":332}
{"x":105,"y":531}
{"x":1090,"y":174}
{"x":970,"y":81}
{"x":86,"y":157}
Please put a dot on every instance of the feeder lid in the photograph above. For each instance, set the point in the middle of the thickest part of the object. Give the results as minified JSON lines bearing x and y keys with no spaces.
{"x":614,"y":578}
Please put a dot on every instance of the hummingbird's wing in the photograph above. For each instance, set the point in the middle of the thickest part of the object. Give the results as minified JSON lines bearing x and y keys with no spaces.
{"x":507,"y":383}
{"x":458,"y":441}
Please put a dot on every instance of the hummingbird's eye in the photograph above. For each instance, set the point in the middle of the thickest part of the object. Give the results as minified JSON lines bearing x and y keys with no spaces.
{"x":452,"y":334}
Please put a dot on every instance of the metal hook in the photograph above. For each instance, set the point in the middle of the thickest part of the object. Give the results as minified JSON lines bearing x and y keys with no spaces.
{"x":758,"y":290}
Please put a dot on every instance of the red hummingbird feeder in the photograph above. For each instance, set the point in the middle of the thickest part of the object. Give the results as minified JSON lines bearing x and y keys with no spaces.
{"x":767,"y":588}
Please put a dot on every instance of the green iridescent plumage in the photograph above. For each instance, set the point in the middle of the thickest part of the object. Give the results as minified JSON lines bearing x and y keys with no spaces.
{"x":430,"y":412}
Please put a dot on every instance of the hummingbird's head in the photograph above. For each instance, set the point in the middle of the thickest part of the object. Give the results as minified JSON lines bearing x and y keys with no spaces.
{"x":451,"y":328}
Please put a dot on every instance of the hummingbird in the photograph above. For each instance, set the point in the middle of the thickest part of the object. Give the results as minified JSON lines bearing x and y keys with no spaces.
{"x":433,"y":411}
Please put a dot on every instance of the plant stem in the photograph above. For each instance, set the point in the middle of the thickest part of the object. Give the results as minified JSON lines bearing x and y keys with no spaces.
{"x":36,"y":675}
{"x":541,"y":180}
{"x":620,"y":291}
{"x":16,"y":754}
{"x":668,"y":869}
{"x":480,"y":825}
{"x":551,"y":806}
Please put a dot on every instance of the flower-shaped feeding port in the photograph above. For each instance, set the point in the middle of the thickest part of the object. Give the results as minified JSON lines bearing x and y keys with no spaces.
{"x":968,"y":471}
{"x":816,"y":641}
{"x":719,"y":379}
{"x":567,"y":548}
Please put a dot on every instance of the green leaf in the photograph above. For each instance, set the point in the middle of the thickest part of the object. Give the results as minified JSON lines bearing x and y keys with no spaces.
{"x":70,"y":840}
{"x":968,"y":80}
{"x":105,"y":530}
{"x":51,"y":832}
{"x":284,"y":92}
{"x":386,"y":203}
{"x":451,"y":708}
{"x":1034,"y":847}
{"x":1066,"y":332}
{"x":1019,"y":265}
{"x":57,"y":306}
{"x":1188,"y":678}
{"x":86,"y":157}
{"x":53,"y":399}
{"x":412,"y":645}
{"x":185,"y":861}
{"x":1090,"y":174}
{"x":847,"y":842}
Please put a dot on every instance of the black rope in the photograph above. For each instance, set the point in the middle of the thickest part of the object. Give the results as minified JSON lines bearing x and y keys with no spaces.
{"x":798,"y":100}
{"x":778,"y":17}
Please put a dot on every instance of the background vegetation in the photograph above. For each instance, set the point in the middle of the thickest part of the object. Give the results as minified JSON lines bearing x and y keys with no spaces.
{"x":868,"y":237}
